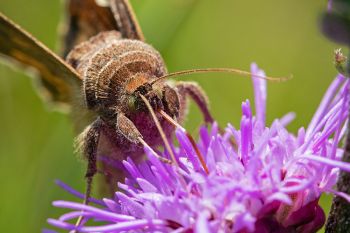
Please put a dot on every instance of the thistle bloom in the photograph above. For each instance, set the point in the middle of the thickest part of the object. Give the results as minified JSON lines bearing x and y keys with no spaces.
{"x":254,"y":179}
{"x":329,"y":5}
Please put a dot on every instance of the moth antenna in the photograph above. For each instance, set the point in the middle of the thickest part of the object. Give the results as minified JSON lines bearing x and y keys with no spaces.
{"x":159,"y":127}
{"x":189,"y":136}
{"x":220,"y":70}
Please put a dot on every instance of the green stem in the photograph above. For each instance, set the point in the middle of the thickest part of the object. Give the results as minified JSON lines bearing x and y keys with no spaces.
{"x":339,"y":216}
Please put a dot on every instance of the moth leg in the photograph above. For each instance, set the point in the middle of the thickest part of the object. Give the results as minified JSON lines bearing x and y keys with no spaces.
{"x":87,"y":143}
{"x":193,"y":90}
{"x":126,"y":127}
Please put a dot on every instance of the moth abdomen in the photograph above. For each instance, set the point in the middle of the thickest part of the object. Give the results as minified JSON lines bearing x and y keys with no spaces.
{"x":81,"y":53}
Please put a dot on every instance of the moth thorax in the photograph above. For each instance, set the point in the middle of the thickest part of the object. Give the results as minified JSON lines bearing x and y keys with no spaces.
{"x":137,"y":80}
{"x":115,"y":68}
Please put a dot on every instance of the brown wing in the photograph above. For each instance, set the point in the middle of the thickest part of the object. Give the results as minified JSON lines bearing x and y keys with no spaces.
{"x":126,"y":19}
{"x":58,"y":78}
{"x":87,"y":18}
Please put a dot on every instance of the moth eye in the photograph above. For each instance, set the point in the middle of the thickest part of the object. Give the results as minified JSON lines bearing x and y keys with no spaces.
{"x":171,"y":101}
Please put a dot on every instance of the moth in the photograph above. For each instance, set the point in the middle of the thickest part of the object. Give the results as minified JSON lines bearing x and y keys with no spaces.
{"x":108,"y":77}
{"x":106,"y":68}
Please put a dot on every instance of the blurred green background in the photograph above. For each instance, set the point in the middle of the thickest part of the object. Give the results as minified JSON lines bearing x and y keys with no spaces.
{"x":281,"y":36}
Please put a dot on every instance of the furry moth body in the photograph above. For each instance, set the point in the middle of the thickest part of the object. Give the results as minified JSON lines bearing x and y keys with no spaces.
{"x":107,"y":68}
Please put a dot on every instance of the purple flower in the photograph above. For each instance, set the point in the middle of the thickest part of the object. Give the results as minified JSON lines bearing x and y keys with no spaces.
{"x":258,"y":178}
{"x":329,"y":5}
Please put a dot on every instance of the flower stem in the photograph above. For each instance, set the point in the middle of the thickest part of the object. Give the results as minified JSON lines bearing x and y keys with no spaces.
{"x":339,"y":215}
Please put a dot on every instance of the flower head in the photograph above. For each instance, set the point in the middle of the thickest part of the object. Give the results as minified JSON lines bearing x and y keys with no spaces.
{"x":258,"y":178}
{"x":329,"y":5}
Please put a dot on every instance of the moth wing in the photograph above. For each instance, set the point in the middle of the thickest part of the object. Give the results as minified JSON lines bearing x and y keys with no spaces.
{"x":126,"y":19}
{"x":86,"y":18}
{"x":59,"y":80}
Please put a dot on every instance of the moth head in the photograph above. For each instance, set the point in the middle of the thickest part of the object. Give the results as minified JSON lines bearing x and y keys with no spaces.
{"x":160,"y":96}
{"x":115,"y":74}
